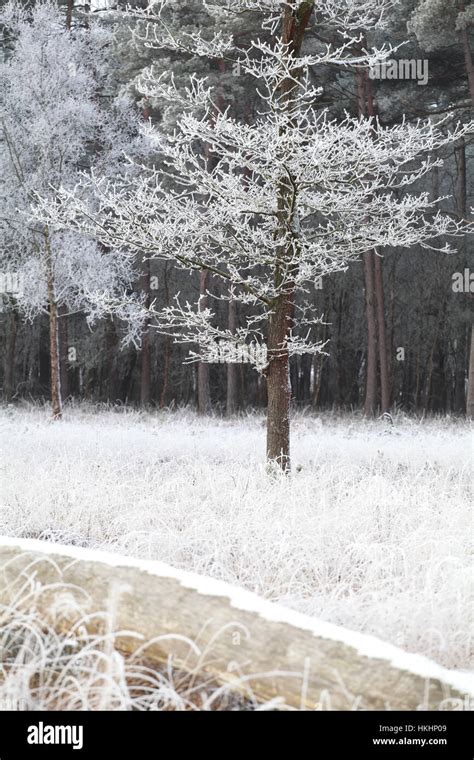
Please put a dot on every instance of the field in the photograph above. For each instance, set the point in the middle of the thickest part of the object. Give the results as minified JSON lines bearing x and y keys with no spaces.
{"x":372,"y":531}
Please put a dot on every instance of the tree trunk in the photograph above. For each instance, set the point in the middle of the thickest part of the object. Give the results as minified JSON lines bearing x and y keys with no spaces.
{"x":232,"y":369}
{"x":204,"y":388}
{"x":9,"y":360}
{"x":385,"y":380}
{"x":63,"y":333}
{"x":168,"y":345}
{"x":464,"y":35}
{"x":305,"y":378}
{"x":384,"y":364}
{"x":462,"y":342}
{"x":470,"y":387}
{"x":112,"y":372}
{"x":278,"y":384}
{"x":370,"y":403}
{"x":470,"y":76}
{"x":69,"y":10}
{"x":55,"y":377}
{"x":145,"y":353}
{"x":294,"y":25}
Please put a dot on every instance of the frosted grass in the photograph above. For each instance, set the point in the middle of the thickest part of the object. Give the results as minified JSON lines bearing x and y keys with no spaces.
{"x":373,"y":531}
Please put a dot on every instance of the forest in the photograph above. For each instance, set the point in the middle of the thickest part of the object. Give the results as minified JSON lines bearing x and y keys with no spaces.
{"x":394,"y":324}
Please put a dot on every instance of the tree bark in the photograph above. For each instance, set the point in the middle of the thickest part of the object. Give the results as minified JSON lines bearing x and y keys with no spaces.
{"x":295,"y":19}
{"x":69,"y":10}
{"x":204,"y":387}
{"x":112,"y":349}
{"x":232,"y":369}
{"x":370,"y":402}
{"x":470,"y":387}
{"x":168,"y":345}
{"x":470,"y":77}
{"x":384,"y":363}
{"x":63,"y":333}
{"x":385,"y":380}
{"x":464,"y":35}
{"x":55,"y":376}
{"x":462,"y":342}
{"x":145,"y":353}
{"x":278,"y":384}
{"x":9,"y":360}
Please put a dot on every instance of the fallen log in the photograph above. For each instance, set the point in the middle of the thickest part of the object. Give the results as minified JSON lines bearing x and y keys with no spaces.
{"x":243,"y":641}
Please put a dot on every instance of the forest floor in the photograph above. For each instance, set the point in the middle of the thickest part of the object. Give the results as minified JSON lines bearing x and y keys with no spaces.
{"x":373,"y":530}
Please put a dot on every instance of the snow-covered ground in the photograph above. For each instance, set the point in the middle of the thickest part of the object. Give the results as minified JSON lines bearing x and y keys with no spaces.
{"x":373,"y":531}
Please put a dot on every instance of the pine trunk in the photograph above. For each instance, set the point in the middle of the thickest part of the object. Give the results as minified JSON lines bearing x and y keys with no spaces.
{"x":168,"y":345}
{"x":204,"y":388}
{"x":385,"y":383}
{"x":63,"y":332}
{"x":470,"y":387}
{"x":232,"y":369}
{"x":470,"y":76}
{"x":370,"y":403}
{"x":145,"y":353}
{"x":9,"y":360}
{"x":55,"y":377}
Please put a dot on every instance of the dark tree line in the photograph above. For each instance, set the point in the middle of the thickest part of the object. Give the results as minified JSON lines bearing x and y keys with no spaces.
{"x":398,"y":327}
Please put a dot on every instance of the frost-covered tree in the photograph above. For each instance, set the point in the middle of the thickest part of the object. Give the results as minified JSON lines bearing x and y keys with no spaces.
{"x":51,"y":121}
{"x":439,"y":24}
{"x":286,"y":200}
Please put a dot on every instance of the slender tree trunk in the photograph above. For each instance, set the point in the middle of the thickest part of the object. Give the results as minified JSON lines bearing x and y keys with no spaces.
{"x":305,"y":378}
{"x":54,"y":360}
{"x":204,"y":387}
{"x":112,"y":349}
{"x":63,"y":332}
{"x":384,"y":364}
{"x":462,"y":342}
{"x":470,"y":76}
{"x":295,"y":20}
{"x":418,"y":380}
{"x":232,"y":369}
{"x":429,"y":377}
{"x":370,"y":402}
{"x":385,"y":380}
{"x":55,"y":376}
{"x":145,"y":353}
{"x":278,"y":383}
{"x":166,"y":371}
{"x":470,"y":387}
{"x":168,"y":346}
{"x":466,"y":46}
{"x":69,"y":10}
{"x":9,"y":360}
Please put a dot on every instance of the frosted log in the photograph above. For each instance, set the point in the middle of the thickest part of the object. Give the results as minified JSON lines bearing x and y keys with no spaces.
{"x":241,"y":640}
